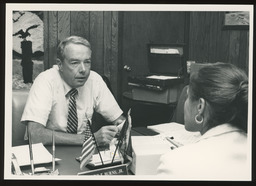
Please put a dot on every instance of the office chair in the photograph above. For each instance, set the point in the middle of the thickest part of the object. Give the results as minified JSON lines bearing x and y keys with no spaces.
{"x":106,"y":80}
{"x":19,"y":98}
{"x":178,"y":115}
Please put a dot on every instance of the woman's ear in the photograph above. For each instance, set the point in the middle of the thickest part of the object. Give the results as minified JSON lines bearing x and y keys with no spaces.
{"x":201,"y":105}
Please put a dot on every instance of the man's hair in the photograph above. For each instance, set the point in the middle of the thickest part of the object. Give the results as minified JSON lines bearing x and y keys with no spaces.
{"x":68,"y":40}
{"x":225,"y":89}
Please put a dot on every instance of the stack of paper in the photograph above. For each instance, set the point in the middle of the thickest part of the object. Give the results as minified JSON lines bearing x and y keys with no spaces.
{"x":40,"y":154}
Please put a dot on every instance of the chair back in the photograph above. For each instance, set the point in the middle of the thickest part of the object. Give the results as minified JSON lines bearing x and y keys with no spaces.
{"x":178,"y":115}
{"x":19,"y":98}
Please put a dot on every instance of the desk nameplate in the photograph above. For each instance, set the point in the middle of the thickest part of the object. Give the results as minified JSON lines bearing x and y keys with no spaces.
{"x":113,"y":170}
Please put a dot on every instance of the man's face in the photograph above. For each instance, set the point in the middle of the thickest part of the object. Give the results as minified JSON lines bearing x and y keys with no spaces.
{"x":76,"y":65}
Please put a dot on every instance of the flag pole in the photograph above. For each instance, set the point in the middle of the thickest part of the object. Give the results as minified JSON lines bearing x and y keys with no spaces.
{"x":120,"y":138}
{"x":116,"y":150}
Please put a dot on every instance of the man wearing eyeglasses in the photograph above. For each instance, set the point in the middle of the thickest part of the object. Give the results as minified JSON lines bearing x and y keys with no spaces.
{"x":49,"y":102}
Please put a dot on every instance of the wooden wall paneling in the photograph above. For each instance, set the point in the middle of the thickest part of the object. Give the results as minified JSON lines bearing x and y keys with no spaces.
{"x":135,"y":34}
{"x":46,"y":39}
{"x":234,"y":47}
{"x":206,"y":29}
{"x":186,"y":34}
{"x":169,"y":26}
{"x":218,"y":27}
{"x":107,"y":58}
{"x":53,"y":37}
{"x":63,"y":25}
{"x":135,"y":28}
{"x":199,"y":35}
{"x":80,"y":24}
{"x":222,"y":40}
{"x":244,"y":51}
{"x":191,"y":37}
{"x":208,"y":42}
{"x":213,"y":34}
{"x":115,"y":77}
{"x":143,"y":34}
{"x":247,"y":53}
{"x":96,"y":39}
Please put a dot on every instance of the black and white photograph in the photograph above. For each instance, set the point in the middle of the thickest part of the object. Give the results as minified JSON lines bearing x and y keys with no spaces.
{"x":128,"y":92}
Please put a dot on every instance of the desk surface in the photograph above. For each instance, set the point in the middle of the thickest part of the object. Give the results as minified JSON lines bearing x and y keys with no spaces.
{"x":67,"y":153}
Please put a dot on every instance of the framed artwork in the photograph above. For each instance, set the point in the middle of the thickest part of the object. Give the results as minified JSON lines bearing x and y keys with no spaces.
{"x":236,"y":20}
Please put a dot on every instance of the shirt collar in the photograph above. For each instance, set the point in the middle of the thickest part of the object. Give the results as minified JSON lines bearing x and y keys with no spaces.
{"x":66,"y":87}
{"x":219,"y":130}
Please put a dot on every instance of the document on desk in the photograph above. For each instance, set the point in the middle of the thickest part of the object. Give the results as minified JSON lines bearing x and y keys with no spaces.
{"x":40,"y":154}
{"x":177,"y":131}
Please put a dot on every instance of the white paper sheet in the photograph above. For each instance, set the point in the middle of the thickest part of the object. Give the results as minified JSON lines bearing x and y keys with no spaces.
{"x":177,"y":131}
{"x":40,"y":154}
{"x":164,"y":51}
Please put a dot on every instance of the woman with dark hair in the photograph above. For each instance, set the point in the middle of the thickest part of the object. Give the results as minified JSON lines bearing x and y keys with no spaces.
{"x":217,"y":107}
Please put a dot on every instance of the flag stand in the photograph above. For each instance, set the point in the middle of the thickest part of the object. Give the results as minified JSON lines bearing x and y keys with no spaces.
{"x":113,"y":168}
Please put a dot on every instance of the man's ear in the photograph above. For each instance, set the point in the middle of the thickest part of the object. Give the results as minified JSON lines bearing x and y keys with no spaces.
{"x":59,"y":63}
{"x":201,"y":105}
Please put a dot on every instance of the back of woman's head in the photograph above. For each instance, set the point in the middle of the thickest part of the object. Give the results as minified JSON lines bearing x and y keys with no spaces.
{"x":225,"y":89}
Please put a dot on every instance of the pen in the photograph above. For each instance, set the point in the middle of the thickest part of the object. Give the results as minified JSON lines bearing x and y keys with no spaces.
{"x":172,"y":141}
{"x":31,"y":154}
{"x":53,"y":151}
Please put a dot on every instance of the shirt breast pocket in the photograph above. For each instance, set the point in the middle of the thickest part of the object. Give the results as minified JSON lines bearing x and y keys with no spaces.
{"x":87,"y":115}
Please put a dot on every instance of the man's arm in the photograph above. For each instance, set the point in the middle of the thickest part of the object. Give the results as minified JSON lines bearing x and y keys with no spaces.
{"x":40,"y":134}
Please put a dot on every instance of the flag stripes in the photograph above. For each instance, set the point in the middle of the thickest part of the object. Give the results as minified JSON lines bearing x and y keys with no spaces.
{"x":88,"y":147}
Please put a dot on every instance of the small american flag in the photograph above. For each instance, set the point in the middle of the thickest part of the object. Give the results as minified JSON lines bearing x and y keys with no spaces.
{"x":87,"y":148}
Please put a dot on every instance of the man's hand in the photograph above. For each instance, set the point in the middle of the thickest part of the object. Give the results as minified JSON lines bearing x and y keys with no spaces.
{"x":105,"y":135}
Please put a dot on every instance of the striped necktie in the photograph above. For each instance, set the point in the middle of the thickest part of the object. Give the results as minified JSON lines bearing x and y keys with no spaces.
{"x":88,"y":147}
{"x":72,"y":112}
